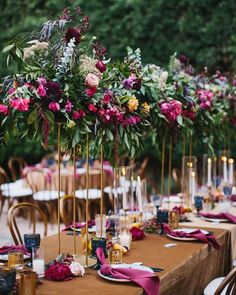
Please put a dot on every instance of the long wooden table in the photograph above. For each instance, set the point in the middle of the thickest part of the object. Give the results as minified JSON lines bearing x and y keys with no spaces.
{"x":188,"y":267}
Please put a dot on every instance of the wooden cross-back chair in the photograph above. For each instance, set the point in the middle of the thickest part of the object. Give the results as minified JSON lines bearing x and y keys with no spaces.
{"x":16,"y":166}
{"x":3,"y":180}
{"x":228,"y":285}
{"x":66,"y":210}
{"x":32,"y":209}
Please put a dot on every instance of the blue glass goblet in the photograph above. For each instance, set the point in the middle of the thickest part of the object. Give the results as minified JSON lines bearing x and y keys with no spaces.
{"x":31,"y":241}
{"x":7,"y":280}
{"x":162,"y":217}
{"x":198,"y":203}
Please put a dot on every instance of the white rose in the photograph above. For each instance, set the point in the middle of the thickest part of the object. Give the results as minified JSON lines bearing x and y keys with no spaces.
{"x":77,"y":269}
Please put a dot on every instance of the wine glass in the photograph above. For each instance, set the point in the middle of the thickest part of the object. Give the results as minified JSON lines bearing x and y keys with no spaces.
{"x":7,"y":280}
{"x":198,"y":203}
{"x":31,"y":241}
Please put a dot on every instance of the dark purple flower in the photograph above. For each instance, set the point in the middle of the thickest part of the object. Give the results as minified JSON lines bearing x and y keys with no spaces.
{"x":73,"y":33}
{"x":53,"y":90}
{"x":183,"y":59}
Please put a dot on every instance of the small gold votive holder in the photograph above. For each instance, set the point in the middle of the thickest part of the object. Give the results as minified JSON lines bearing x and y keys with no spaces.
{"x":27,"y":282}
{"x":16,"y":259}
{"x":115,"y":256}
{"x":173,"y":219}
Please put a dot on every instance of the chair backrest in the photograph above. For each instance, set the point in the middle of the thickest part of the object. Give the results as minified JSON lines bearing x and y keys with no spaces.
{"x":66,"y":210}
{"x":38,"y":180}
{"x":3,"y":176}
{"x":33,"y":210}
{"x":16,"y":166}
{"x":94,"y":179}
{"x":229,"y":283}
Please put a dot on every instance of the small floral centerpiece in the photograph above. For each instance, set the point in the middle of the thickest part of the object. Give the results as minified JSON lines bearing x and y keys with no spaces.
{"x":64,"y":268}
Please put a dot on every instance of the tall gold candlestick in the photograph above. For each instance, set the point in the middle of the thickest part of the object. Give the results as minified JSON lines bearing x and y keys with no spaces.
{"x":74,"y":203}
{"x":101,"y":202}
{"x":162,"y":165}
{"x":169,"y":168}
{"x":182,"y":180}
{"x":87,"y":197}
{"x":59,"y":184}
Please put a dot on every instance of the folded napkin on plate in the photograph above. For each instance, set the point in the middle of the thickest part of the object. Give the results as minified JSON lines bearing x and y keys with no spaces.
{"x":147,"y":280}
{"x":5,"y":249}
{"x":79,"y":225}
{"x":228,"y":216}
{"x":197,"y":234}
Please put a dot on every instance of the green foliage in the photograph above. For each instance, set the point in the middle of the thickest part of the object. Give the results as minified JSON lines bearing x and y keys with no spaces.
{"x":203,"y":30}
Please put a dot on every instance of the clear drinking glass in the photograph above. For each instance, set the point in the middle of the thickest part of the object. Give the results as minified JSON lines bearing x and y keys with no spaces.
{"x":38,"y":261}
{"x":100,"y":222}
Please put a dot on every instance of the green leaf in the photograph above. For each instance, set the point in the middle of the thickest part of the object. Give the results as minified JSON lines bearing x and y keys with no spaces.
{"x":50,"y":117}
{"x":8,"y":48}
{"x":32,"y":117}
{"x":109,"y":134}
{"x":126,"y":141}
{"x":18,"y":53}
{"x":2,"y":151}
{"x":180,"y":120}
{"x":6,"y":137}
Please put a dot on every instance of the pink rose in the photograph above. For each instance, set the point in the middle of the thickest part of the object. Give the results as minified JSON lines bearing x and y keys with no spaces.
{"x":90,"y":91}
{"x":42,"y":80}
{"x":54,"y":106}
{"x":77,"y":269}
{"x":20,"y":104}
{"x":101,"y":66}
{"x":107,"y":96}
{"x":3,"y":109}
{"x":68,"y":106}
{"x":41,"y":91}
{"x":78,"y":114}
{"x":92,"y":108}
{"x":92,"y":80}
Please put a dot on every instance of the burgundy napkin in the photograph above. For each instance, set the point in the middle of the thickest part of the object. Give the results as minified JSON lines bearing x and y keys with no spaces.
{"x":228,"y":216}
{"x":147,"y":280}
{"x":79,"y":225}
{"x":5,"y":249}
{"x":233,"y":198}
{"x":197,"y":234}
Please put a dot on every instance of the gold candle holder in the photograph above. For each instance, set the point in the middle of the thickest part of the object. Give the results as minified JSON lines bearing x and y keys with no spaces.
{"x":169,"y":171}
{"x":27,"y":282}
{"x":162,"y":165}
{"x":59,"y":184}
{"x":74,"y":202}
{"x":101,"y":201}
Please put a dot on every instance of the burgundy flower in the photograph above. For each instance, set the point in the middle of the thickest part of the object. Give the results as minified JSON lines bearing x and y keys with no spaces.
{"x":183,"y":59}
{"x":91,"y":91}
{"x":137,"y":233}
{"x":73,"y":33}
{"x":54,"y":106}
{"x":58,"y":272}
{"x":101,"y":66}
{"x":107,"y":96}
{"x":137,"y":84}
{"x":78,"y":114}
{"x":92,"y":108}
{"x":85,"y":24}
{"x":53,"y":90}
{"x":189,"y":114}
{"x":100,"y":50}
{"x":3,"y":109}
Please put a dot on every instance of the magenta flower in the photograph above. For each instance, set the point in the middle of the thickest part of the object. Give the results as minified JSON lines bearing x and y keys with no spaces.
{"x":58,"y":271}
{"x":92,"y":108}
{"x":107,"y":96}
{"x":171,"y":110}
{"x":54,"y":106}
{"x":205,"y":98}
{"x":20,"y":104}
{"x":78,"y":114}
{"x":132,"y":120}
{"x":137,"y":233}
{"x":91,"y":91}
{"x":3,"y":109}
{"x":101,"y":66}
{"x":11,"y":90}
{"x":68,"y":106}
{"x":41,"y":91}
{"x":189,"y":114}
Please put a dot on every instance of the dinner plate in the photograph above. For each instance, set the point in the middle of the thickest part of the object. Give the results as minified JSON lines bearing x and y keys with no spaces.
{"x":215,"y":220}
{"x":124,"y":265}
{"x":90,"y":229}
{"x":4,"y":257}
{"x":187,"y":230}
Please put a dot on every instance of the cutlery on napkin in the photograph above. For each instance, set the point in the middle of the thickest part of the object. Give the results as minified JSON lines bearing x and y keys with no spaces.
{"x":228,"y":216}
{"x":155,"y":269}
{"x":147,"y":280}
{"x":197,"y":234}
{"x":79,"y":225}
